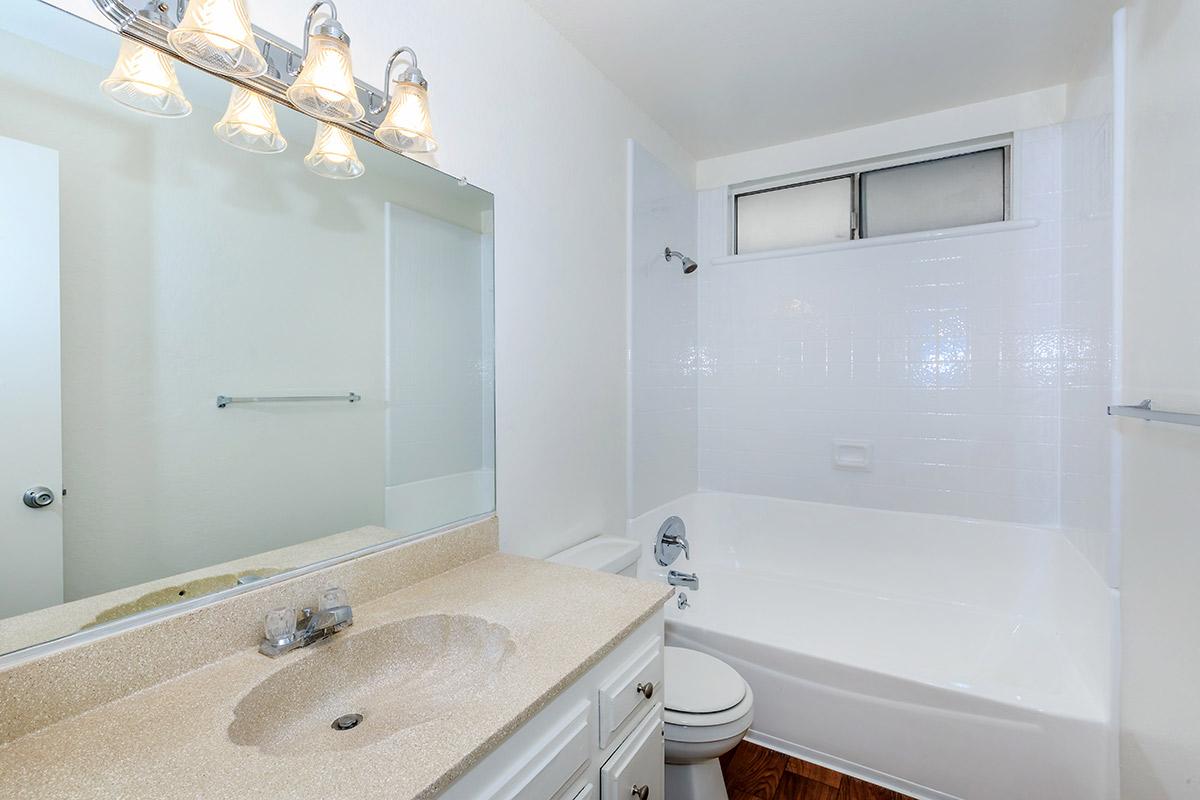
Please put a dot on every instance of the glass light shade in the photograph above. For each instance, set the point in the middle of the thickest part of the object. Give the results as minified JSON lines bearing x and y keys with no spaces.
{"x":249,"y":123}
{"x":144,"y":80}
{"x":216,"y":35}
{"x":325,"y":85}
{"x":333,"y":154}
{"x":407,"y":126}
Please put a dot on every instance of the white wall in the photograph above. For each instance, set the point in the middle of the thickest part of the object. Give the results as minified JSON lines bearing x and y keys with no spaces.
{"x":663,"y":364}
{"x":522,"y":113}
{"x":1160,"y":752}
{"x":978,"y":120}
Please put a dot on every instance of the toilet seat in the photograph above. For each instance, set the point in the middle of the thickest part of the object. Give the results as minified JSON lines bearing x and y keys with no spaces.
{"x":730,"y":723}
{"x":700,"y":684}
{"x":706,"y":699}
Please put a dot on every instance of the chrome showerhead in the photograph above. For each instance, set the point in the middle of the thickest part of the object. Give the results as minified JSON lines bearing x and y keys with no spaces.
{"x":689,"y":266}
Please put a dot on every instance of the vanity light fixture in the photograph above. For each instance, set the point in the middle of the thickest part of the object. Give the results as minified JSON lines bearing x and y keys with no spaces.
{"x":407,"y":126}
{"x":249,"y":123}
{"x":144,"y":79}
{"x":216,"y":35}
{"x":333,"y":154}
{"x":317,"y":79}
{"x":325,"y":86}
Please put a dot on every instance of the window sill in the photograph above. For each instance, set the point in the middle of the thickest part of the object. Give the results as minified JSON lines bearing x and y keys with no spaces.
{"x":881,"y":241}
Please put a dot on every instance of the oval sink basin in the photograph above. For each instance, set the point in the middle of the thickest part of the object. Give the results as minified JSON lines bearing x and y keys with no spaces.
{"x":397,"y":676}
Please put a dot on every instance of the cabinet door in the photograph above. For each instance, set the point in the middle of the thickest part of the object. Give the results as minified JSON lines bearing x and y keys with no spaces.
{"x":559,"y":759}
{"x":636,"y":769}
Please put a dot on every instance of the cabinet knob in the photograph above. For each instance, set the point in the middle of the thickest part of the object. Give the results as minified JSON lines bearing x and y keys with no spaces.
{"x":640,"y":792}
{"x":646,"y":690}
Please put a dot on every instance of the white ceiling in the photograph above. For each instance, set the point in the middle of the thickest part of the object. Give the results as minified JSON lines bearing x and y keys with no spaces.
{"x":724,"y":76}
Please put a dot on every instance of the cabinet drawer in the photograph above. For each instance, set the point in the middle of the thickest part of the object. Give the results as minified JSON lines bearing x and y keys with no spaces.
{"x":559,"y":758}
{"x":623,"y":697}
{"x":587,"y":793}
{"x":637,"y":763}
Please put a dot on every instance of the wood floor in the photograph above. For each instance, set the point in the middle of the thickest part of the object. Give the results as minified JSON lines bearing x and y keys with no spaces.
{"x":756,"y":773}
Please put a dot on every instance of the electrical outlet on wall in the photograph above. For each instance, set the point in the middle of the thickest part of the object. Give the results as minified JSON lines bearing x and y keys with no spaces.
{"x":856,"y":454}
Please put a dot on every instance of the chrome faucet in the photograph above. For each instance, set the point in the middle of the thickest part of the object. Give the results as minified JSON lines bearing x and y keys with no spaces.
{"x":286,"y":630}
{"x":686,"y":579}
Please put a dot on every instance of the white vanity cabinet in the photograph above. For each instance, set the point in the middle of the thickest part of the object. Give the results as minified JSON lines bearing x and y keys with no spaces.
{"x":600,"y":739}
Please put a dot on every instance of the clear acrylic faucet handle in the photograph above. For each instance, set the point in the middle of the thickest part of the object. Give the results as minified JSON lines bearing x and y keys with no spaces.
{"x":280,"y":624}
{"x":334,"y":597}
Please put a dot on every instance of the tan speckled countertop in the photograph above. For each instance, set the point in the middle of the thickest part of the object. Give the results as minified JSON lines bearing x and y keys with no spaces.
{"x":172,"y":740}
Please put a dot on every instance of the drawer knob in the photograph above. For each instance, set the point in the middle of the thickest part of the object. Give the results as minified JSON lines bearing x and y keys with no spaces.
{"x":640,"y":792}
{"x":646,"y":690}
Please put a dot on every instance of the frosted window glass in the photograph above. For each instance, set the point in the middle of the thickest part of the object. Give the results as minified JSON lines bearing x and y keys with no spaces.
{"x":796,"y":216}
{"x":947,"y":193}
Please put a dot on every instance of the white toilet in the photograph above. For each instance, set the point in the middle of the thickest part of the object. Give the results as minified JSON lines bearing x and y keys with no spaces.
{"x":708,"y":706}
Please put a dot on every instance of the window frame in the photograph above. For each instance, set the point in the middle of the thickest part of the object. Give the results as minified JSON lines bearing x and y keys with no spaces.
{"x":854,"y":201}
{"x":855,"y":170}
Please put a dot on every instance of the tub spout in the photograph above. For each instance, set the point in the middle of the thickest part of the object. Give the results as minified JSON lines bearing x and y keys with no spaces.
{"x":687,"y":579}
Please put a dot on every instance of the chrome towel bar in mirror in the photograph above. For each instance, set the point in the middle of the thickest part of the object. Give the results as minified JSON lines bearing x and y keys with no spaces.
{"x":224,"y":400}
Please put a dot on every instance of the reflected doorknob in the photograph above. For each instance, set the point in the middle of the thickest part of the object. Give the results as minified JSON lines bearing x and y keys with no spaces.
{"x":38,"y":497}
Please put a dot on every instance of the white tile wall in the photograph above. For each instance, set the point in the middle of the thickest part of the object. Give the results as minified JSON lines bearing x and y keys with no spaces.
{"x":663,"y":309}
{"x":955,"y":358}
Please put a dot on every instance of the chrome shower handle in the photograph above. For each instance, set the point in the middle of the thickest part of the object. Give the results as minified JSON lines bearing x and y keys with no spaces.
{"x":671,"y":539}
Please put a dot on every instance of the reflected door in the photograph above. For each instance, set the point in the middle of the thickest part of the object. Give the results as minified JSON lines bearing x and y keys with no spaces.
{"x":31,"y":571}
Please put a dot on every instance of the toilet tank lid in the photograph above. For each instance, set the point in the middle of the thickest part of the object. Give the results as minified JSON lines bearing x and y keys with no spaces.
{"x":604,"y":553}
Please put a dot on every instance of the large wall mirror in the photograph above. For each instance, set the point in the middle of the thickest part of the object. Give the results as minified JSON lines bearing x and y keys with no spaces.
{"x":147,"y":268}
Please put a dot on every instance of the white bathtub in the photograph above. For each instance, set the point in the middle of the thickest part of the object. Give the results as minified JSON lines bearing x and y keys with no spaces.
{"x":945,"y":658}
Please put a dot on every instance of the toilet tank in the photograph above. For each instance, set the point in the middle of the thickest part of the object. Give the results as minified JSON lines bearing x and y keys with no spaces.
{"x":605,"y":553}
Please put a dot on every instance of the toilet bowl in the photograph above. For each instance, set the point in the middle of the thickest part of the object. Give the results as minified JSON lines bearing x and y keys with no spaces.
{"x":708,"y":706}
{"x":707,"y":710}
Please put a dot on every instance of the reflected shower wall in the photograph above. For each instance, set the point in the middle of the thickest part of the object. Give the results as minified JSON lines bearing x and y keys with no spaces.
{"x":440,"y":453}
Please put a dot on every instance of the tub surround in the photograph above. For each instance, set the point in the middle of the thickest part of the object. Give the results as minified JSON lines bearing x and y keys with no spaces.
{"x":144,"y":714}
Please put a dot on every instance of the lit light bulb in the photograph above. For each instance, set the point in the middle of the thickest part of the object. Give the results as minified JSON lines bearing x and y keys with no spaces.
{"x":333,"y":154}
{"x":407,"y":126}
{"x":325,"y":86}
{"x":249,"y":123}
{"x":144,"y":79}
{"x":216,"y":34}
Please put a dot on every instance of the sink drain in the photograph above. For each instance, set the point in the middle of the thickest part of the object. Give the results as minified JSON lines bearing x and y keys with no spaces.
{"x":346,"y":722}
